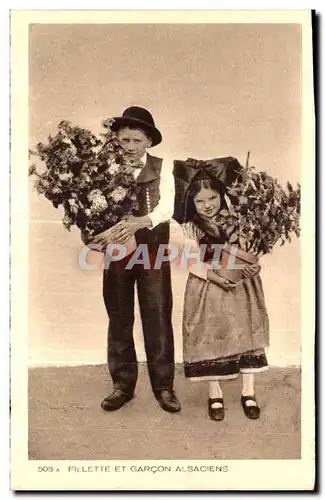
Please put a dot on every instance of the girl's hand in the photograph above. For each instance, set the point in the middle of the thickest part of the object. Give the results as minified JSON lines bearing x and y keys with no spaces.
{"x":251,"y":270}
{"x":220,"y":281}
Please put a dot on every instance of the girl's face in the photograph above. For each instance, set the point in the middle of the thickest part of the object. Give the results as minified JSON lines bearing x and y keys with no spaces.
{"x":207,"y":202}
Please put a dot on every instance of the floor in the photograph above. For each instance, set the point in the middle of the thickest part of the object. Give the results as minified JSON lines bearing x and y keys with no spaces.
{"x":67,"y":423}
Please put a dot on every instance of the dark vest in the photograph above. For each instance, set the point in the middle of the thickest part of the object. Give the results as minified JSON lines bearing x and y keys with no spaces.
{"x":148,"y":197}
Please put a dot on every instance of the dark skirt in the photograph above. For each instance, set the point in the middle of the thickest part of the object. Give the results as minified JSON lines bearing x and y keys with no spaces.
{"x":224,"y":332}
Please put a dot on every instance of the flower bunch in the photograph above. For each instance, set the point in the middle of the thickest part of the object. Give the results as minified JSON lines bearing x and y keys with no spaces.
{"x":89,"y":176}
{"x":261,"y":212}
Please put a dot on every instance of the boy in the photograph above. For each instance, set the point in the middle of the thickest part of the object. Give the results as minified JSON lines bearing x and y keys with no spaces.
{"x":136,"y":132}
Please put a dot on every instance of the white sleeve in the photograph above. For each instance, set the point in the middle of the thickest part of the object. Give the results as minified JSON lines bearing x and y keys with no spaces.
{"x":165,"y":208}
{"x":185,"y":238}
{"x":191,"y":232}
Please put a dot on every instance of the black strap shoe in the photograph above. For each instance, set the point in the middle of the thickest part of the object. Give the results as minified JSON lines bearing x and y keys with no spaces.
{"x":168,"y":401}
{"x":115,"y":401}
{"x":216,"y":413}
{"x":251,"y":411}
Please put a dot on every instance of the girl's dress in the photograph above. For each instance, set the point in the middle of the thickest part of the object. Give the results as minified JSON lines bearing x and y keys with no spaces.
{"x":224,"y":332}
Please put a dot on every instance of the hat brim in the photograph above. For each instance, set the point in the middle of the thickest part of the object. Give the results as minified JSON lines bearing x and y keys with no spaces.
{"x":152,"y":132}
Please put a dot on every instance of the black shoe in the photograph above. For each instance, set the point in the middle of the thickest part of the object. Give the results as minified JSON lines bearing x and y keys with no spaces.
{"x":216,"y":413}
{"x":251,"y":411}
{"x":168,"y":401}
{"x":115,"y":401}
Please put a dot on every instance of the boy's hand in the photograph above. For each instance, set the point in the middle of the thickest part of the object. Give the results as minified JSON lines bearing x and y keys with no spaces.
{"x":102,"y":240}
{"x":91,"y":243}
{"x":251,"y":270}
{"x":123,"y":231}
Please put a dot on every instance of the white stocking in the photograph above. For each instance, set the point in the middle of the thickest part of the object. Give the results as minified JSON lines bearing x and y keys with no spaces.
{"x":215,"y":392}
{"x":248,"y":387}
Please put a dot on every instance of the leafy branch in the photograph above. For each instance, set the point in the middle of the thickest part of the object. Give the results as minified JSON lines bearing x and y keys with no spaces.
{"x":262,"y":212}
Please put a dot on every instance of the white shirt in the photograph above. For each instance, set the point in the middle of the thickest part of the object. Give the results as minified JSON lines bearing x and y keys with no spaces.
{"x":165,"y":208}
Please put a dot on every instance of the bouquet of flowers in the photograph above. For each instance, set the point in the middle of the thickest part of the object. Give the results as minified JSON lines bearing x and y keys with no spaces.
{"x":89,"y":177}
{"x":261,"y":214}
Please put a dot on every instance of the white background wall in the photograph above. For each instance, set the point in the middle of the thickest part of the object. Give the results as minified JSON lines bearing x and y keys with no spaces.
{"x":214,"y":90}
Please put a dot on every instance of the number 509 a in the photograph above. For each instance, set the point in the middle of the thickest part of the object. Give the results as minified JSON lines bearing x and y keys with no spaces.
{"x":45,"y":469}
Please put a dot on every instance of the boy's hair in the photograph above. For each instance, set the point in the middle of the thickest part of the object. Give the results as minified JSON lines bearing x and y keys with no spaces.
{"x":135,"y":126}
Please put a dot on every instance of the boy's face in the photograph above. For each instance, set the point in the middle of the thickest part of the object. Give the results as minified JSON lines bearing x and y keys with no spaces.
{"x":207,"y":203}
{"x":134,"y":142}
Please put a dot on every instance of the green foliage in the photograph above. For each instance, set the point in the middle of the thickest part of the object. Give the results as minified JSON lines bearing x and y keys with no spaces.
{"x":262,"y":212}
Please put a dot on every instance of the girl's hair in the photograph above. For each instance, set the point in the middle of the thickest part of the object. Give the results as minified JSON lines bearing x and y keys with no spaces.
{"x":195,"y":187}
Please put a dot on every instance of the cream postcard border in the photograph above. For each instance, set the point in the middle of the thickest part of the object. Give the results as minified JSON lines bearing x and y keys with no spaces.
{"x":242,"y":474}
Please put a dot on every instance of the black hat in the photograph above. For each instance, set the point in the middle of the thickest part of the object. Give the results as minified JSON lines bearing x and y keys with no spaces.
{"x":136,"y":116}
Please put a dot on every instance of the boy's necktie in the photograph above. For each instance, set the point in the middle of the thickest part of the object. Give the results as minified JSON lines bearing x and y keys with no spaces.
{"x":138,"y":164}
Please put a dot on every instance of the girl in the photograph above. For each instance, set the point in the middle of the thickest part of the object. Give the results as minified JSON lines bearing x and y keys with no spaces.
{"x":225,"y":325}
